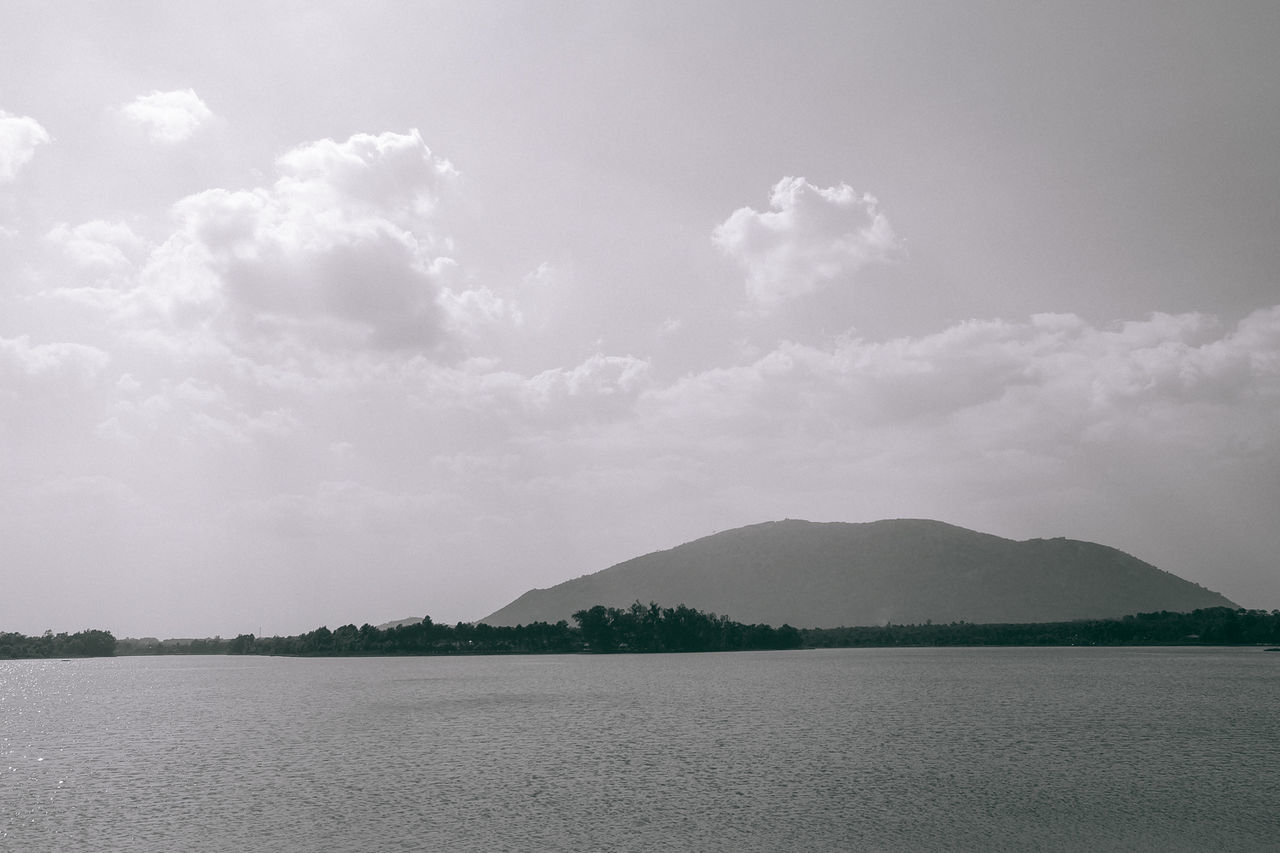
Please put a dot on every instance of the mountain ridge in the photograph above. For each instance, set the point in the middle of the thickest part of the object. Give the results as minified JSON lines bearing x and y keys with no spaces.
{"x":831,"y":574}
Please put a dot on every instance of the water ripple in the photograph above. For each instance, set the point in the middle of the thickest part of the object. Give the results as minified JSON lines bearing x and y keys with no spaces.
{"x":988,"y":749}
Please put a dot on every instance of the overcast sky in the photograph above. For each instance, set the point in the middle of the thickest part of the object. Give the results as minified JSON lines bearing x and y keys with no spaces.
{"x":314,"y":313}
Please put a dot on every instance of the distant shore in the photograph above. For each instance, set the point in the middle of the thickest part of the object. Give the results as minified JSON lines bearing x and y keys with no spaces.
{"x":650,"y":628}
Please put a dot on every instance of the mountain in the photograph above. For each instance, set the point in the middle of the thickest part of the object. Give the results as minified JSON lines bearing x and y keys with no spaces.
{"x":397,"y":623}
{"x":825,"y":575}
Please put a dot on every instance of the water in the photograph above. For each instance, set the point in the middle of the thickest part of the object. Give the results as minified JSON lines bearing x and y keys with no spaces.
{"x":876,"y":749}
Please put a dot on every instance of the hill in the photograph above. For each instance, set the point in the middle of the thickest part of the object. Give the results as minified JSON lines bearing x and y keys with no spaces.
{"x":397,"y":623}
{"x":827,"y":575}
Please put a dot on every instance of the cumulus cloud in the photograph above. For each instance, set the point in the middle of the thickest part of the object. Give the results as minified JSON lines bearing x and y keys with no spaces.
{"x":49,"y":394}
{"x":392,"y":172}
{"x":505,"y":404}
{"x":99,"y":245}
{"x":810,"y":236}
{"x":471,"y":311}
{"x":47,"y":365}
{"x":1035,"y":415}
{"x":168,"y":117}
{"x":1065,"y":362}
{"x":305,"y":371}
{"x":607,"y":379}
{"x":344,"y":250}
{"x":1049,"y":424}
{"x":19,"y":138}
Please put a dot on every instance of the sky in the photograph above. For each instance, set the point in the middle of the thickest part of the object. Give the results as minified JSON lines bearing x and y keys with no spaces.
{"x":320,"y":313}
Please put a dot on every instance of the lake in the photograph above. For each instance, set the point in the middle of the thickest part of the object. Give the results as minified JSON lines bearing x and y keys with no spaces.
{"x":851,"y":749}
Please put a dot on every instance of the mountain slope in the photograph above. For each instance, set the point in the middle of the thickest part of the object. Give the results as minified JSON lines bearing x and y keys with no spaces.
{"x":902,"y":570}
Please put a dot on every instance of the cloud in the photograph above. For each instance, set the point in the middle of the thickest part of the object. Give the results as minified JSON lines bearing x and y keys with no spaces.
{"x":168,"y":117}
{"x":19,"y":138}
{"x":391,"y":172}
{"x":48,"y":365}
{"x":308,"y":373}
{"x":345,"y":251}
{"x":602,"y":383}
{"x":1029,"y":381}
{"x":49,"y":394}
{"x":1045,"y":426}
{"x":811,"y":236}
{"x":470,"y":312}
{"x":98,"y":245}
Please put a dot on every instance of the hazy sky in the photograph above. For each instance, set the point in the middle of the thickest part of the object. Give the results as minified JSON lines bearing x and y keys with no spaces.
{"x":316,"y":313}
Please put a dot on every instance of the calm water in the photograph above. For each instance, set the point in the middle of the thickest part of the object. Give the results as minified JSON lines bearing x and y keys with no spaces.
{"x":920,"y":749}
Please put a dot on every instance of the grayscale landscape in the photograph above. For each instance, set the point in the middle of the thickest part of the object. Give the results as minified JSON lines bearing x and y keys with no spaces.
{"x":740,"y":426}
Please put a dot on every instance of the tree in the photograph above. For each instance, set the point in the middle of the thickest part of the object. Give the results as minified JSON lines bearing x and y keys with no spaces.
{"x":596,"y":625}
{"x":241,"y":645}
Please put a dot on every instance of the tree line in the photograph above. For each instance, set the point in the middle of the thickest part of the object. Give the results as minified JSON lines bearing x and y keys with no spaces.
{"x":639,"y":628}
{"x":90,"y":643}
{"x":651,"y":628}
{"x":1212,"y":626}
{"x":185,"y":646}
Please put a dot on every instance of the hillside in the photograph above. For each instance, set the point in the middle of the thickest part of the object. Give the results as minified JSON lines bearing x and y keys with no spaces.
{"x":396,"y":623}
{"x":810,"y":574}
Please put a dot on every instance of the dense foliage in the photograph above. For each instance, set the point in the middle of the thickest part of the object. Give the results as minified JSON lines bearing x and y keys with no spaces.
{"x":600,"y":629}
{"x":192,"y":646}
{"x":675,"y":629}
{"x":1209,"y":626}
{"x":89,"y":643}
{"x":419,"y":638}
{"x":641,"y":628}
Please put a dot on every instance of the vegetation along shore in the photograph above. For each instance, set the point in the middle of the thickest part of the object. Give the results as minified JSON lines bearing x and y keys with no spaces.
{"x":650,"y":628}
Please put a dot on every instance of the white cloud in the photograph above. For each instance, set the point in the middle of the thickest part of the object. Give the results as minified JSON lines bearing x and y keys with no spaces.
{"x":19,"y":138}
{"x":606,"y":381}
{"x":99,"y":245}
{"x":469,"y":312}
{"x":49,"y":364}
{"x":49,"y":394}
{"x":168,"y":117}
{"x":303,"y":373}
{"x":393,"y":173}
{"x":1030,"y":381}
{"x":810,"y":236}
{"x":344,"y":251}
{"x":1047,"y":426}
